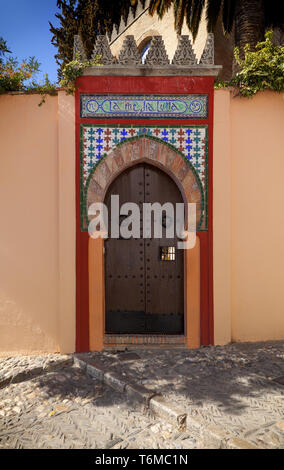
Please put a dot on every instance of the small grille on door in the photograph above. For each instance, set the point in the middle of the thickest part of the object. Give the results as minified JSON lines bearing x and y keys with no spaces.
{"x":167,"y":253}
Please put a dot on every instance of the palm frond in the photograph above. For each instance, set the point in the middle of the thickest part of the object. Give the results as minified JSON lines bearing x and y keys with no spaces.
{"x":195,"y":18}
{"x":179,"y":14}
{"x":228,"y":15}
{"x":212,"y":13}
{"x":160,"y":7}
{"x":274,"y":13}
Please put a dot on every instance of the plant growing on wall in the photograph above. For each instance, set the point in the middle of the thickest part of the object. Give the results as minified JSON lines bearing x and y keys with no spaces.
{"x":87,"y":18}
{"x":3,"y":49}
{"x":261,"y":69}
{"x":73,"y":70}
{"x":15,"y":76}
{"x":20,"y":77}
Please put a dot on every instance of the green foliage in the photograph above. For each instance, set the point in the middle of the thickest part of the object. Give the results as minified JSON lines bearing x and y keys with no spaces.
{"x":220,"y":84}
{"x":14,"y":75}
{"x":63,"y":36}
{"x":73,"y":70}
{"x":87,"y":18}
{"x":261,"y":69}
{"x":3,"y":49}
{"x":19,"y":77}
{"x":44,"y":88}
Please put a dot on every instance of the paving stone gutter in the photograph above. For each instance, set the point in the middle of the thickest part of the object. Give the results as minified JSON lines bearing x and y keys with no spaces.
{"x":24,"y":371}
{"x":142,"y":395}
{"x":213,"y":436}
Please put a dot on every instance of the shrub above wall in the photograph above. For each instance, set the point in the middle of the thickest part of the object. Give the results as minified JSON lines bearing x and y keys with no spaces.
{"x":262,"y":69}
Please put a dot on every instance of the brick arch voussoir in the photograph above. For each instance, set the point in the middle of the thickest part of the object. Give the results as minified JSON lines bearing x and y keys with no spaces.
{"x":151,"y":150}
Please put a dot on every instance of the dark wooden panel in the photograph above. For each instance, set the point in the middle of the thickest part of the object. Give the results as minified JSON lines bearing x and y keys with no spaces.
{"x":139,"y":284}
{"x":164,"y":279}
{"x":124,"y":259}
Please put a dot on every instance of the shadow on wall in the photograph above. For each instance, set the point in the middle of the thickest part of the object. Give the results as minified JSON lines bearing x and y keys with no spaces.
{"x":20,"y":333}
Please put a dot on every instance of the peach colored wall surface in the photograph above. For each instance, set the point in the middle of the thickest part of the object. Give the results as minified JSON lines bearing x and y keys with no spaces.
{"x":34,"y":271}
{"x":37,"y":207}
{"x":248,"y":217}
{"x":67,"y":222}
{"x":222,"y":217}
{"x":257,"y":142}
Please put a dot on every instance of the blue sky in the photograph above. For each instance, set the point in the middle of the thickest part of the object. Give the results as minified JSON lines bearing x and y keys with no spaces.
{"x":24,"y":25}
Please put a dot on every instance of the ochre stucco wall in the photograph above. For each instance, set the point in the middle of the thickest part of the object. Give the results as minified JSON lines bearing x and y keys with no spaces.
{"x":147,"y":25}
{"x":222,"y":217}
{"x":248,"y":217}
{"x":37,"y":207}
{"x":37,"y":249}
{"x":257,"y":169}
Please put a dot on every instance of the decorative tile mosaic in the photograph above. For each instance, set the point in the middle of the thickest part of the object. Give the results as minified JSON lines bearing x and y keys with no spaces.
{"x":150,"y":106}
{"x":190,"y":141}
{"x":100,"y":140}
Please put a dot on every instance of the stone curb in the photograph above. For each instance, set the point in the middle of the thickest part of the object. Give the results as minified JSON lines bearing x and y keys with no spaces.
{"x":214,"y":436}
{"x":172,"y":414}
{"x":35,"y":371}
{"x":149,"y":398}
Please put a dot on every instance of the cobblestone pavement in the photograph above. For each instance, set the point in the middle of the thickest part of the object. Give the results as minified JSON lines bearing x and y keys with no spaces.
{"x":231,"y":388}
{"x":66,"y":409}
{"x":18,"y":368}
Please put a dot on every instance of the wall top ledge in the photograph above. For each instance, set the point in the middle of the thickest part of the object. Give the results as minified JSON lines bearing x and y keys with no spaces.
{"x":146,"y":70}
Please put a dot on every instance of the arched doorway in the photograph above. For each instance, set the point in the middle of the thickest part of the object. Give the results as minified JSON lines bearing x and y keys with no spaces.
{"x":160,"y":155}
{"x":144,"y":277}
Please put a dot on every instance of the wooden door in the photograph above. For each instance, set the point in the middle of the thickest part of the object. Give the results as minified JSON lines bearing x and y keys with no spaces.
{"x":144,"y":276}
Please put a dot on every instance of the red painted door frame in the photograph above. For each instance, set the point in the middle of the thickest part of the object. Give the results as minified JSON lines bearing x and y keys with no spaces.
{"x":145,"y":85}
